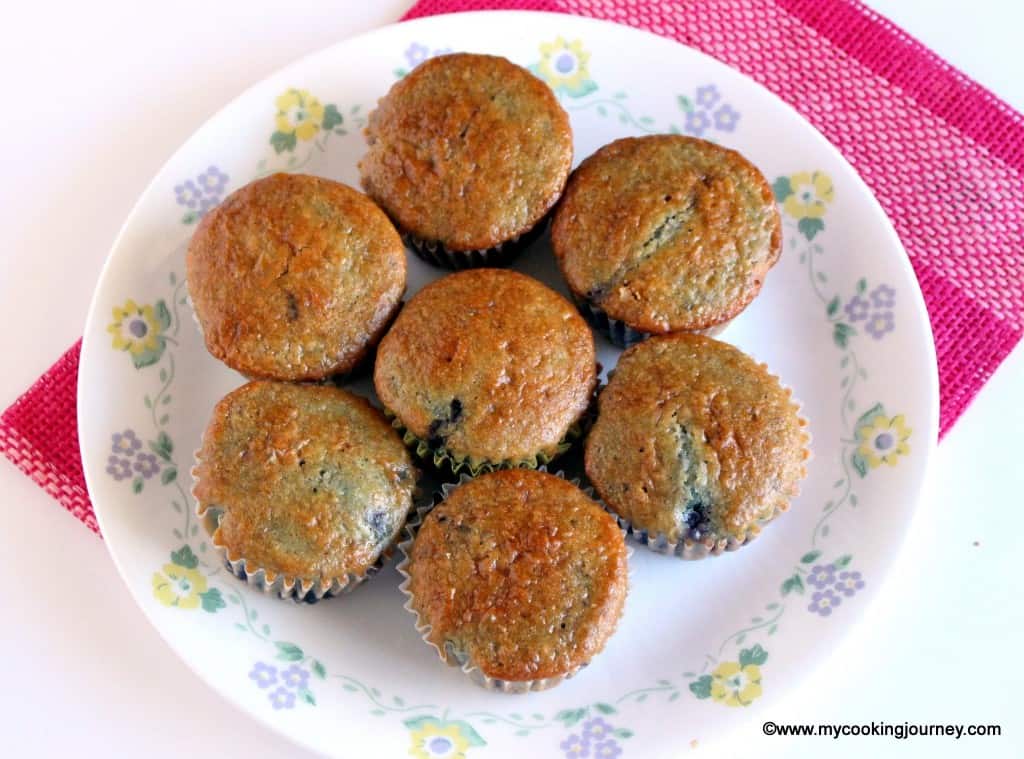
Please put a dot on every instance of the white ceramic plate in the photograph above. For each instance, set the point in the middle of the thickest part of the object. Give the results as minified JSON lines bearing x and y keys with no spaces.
{"x":702,"y":645}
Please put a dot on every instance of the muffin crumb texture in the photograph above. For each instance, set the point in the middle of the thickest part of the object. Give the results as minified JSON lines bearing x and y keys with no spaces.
{"x":467,"y":150}
{"x":490,"y":364}
{"x":311,"y":481}
{"x":667,"y":232}
{"x":695,"y":439}
{"x":521,"y":572}
{"x":294,"y":277}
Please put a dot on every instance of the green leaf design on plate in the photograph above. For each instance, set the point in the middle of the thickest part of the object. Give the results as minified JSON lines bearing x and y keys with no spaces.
{"x":860,"y":464}
{"x":684,"y":103}
{"x":792,"y":584}
{"x":810,"y":556}
{"x":320,"y":671}
{"x":521,"y":733}
{"x":417,"y":723}
{"x":843,"y":561}
{"x":148,"y":358}
{"x":602,"y":111}
{"x":621,"y":732}
{"x":570,"y":716}
{"x":168,"y":476}
{"x":212,"y":600}
{"x":701,"y":687}
{"x":782,"y":188}
{"x":350,"y":687}
{"x":862,"y":285}
{"x":605,"y":708}
{"x":332,"y":117}
{"x":810,"y":227}
{"x":282,"y":141}
{"x":378,"y":712}
{"x":470,"y":734}
{"x":288,"y":651}
{"x":190,"y":217}
{"x":163,"y":315}
{"x":841,"y":333}
{"x":755,"y":655}
{"x":869,"y":416}
{"x":399,"y":73}
{"x":184,"y":557}
{"x":137,"y":485}
{"x":307,"y":695}
{"x":833,"y":306}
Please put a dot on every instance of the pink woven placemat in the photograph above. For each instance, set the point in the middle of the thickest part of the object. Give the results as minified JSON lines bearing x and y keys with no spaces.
{"x":943,"y":155}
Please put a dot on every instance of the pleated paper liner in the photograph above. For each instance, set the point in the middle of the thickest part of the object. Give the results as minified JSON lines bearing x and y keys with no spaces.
{"x":621,"y":334}
{"x":436,"y":253}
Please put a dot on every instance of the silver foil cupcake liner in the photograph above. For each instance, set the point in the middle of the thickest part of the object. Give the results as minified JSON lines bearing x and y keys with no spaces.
{"x":449,"y":654}
{"x":276,"y":584}
{"x":437,"y":254}
{"x":618,"y":332}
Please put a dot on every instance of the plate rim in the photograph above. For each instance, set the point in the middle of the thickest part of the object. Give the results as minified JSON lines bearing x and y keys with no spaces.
{"x":89,"y":354}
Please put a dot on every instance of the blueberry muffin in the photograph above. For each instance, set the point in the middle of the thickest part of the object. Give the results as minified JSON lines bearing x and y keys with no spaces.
{"x":294,"y":277}
{"x":665,"y":233}
{"x":518,"y":577}
{"x":486,"y":369}
{"x":303,"y":488}
{"x":467,"y":154}
{"x":696,"y":446}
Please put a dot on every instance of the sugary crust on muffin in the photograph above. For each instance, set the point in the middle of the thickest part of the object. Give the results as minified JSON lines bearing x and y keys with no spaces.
{"x":294,"y":277}
{"x":520,"y":571}
{"x":489,"y":363}
{"x":667,"y":232}
{"x":694,"y":435}
{"x":312,"y":481}
{"x":467,"y":150}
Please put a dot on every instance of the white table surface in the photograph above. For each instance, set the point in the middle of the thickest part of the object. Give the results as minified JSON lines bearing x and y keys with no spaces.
{"x":96,"y":96}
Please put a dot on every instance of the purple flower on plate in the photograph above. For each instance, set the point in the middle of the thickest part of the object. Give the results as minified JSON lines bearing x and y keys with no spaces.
{"x":596,"y":729}
{"x":282,"y":698}
{"x":822,"y":575}
{"x":187,"y":194}
{"x":207,"y":203}
{"x":858,"y":309}
{"x":726,"y":118}
{"x":609,"y":749}
{"x":119,"y":468}
{"x":213,"y":181}
{"x":707,"y":96}
{"x":883,"y":296}
{"x":697,"y":123}
{"x":575,"y":747}
{"x":146,"y":465}
{"x":264,"y":675}
{"x":880,"y":323}
{"x":415,"y":54}
{"x":849,"y":583}
{"x":823,"y":602}
{"x":295,"y":677}
{"x":125,"y":443}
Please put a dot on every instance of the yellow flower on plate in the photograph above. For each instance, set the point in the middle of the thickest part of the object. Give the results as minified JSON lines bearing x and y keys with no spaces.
{"x":884,"y":440}
{"x":438,"y":740}
{"x":735,"y":685}
{"x":299,"y":113}
{"x":811,"y":194}
{"x":135,"y":328}
{"x":563,"y":65}
{"x":179,"y":586}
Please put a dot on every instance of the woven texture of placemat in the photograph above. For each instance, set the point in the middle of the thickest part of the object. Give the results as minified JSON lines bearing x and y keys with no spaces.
{"x":944,"y":156}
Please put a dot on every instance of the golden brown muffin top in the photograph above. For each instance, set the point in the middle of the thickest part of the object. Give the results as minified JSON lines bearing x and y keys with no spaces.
{"x":312,"y":481}
{"x":294,"y":277}
{"x":467,"y":150}
{"x":693,"y":435}
{"x":520,"y":571}
{"x":667,"y":232}
{"x":489,"y":363}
